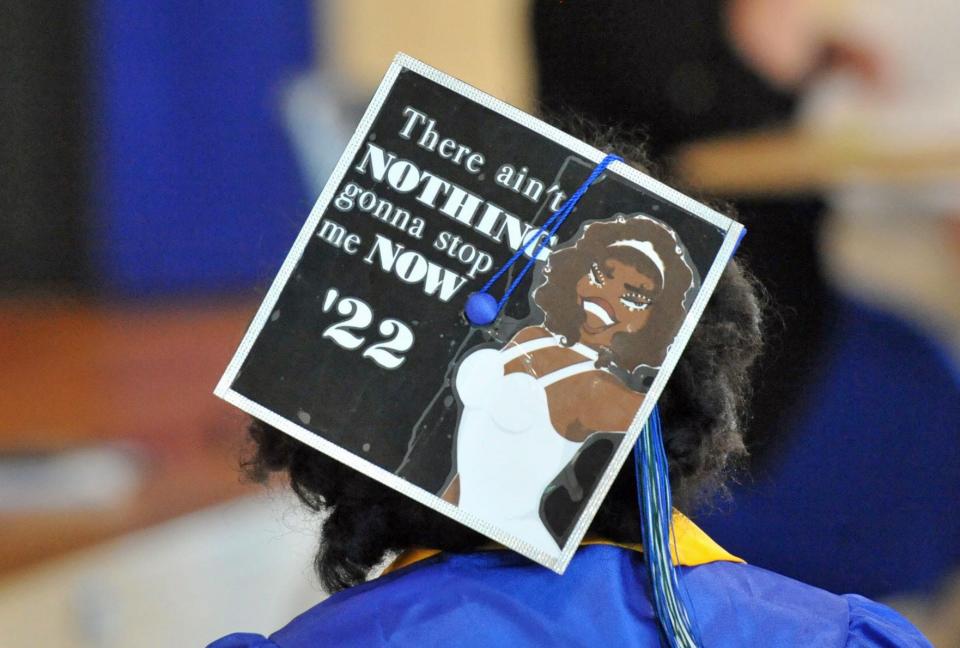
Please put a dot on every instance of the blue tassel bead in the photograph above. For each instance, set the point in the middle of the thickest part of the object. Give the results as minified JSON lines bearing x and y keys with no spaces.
{"x":481,"y":309}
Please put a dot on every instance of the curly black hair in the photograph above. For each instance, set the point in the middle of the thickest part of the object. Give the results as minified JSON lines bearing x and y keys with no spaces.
{"x":703,"y":410}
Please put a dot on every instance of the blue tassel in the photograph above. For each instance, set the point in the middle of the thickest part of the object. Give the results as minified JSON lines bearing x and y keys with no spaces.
{"x":481,"y":308}
{"x":656,"y":514}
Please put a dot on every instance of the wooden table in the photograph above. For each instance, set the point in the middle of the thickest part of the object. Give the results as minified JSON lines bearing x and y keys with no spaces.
{"x":779,"y":162}
{"x":139,"y":375}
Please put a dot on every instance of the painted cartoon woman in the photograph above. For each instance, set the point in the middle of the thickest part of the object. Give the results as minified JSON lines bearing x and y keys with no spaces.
{"x":612,"y":300}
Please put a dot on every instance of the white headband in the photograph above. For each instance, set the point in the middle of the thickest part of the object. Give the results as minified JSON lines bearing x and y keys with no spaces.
{"x":645,"y":248}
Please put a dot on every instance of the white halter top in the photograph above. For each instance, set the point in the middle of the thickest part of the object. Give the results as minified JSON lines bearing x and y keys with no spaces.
{"x":507,"y":448}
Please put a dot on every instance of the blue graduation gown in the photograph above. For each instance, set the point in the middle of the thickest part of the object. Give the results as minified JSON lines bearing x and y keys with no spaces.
{"x":498,"y":598}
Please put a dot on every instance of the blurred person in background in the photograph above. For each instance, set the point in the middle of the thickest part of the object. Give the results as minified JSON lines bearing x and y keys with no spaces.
{"x":856,"y":431}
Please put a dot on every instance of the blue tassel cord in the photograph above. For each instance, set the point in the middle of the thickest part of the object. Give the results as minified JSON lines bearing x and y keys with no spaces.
{"x":656,"y":509}
{"x":482,"y":308}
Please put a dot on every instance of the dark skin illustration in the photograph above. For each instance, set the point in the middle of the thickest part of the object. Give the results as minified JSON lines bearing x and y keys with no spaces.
{"x":615,"y":297}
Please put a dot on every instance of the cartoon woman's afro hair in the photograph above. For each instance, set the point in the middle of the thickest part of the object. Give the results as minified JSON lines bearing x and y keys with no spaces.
{"x":556,"y":295}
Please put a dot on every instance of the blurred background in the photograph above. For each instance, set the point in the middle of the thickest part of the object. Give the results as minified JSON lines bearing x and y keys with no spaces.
{"x":158,"y":158}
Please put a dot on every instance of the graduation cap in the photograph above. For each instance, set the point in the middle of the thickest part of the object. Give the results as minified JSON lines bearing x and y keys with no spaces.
{"x":481,"y":312}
